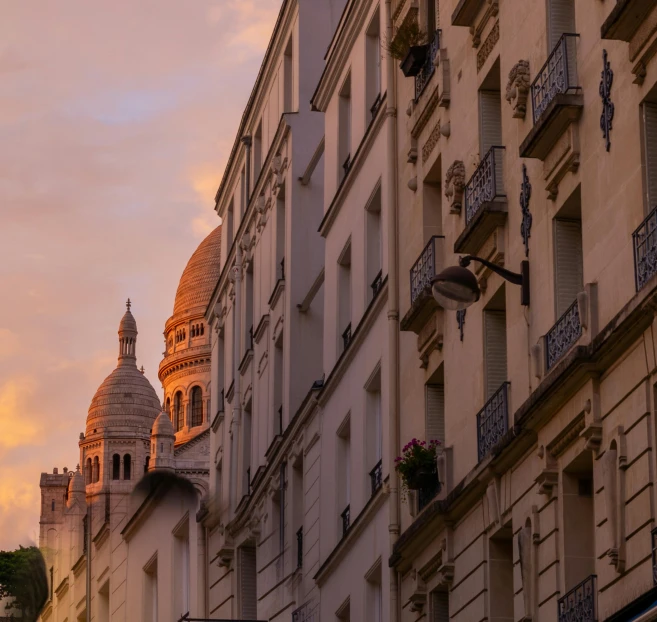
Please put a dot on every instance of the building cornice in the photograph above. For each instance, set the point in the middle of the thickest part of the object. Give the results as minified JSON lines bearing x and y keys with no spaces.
{"x":191,"y":442}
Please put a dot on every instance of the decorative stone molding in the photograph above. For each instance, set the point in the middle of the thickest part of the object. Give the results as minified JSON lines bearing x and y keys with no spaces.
{"x":454,"y":186}
{"x":493,"y":498}
{"x":225,"y":556}
{"x":489,"y":44}
{"x":411,"y":157}
{"x":430,"y":337}
{"x":548,"y":478}
{"x":418,"y":597}
{"x":446,"y":129}
{"x":562,"y":159}
{"x":592,"y":430}
{"x":476,"y":30}
{"x":517,"y":88}
{"x":412,"y":184}
{"x":431,"y":142}
{"x":614,"y":465}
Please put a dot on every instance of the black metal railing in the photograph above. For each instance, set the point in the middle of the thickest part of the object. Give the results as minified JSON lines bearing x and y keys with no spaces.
{"x":645,"y":250}
{"x":346,"y":337}
{"x":300,"y":547}
{"x":486,"y":183}
{"x":374,"y":108}
{"x":279,"y":414}
{"x":248,"y":481}
{"x":424,"y":75}
{"x":345,"y":521}
{"x":221,"y":407}
{"x":563,"y":335}
{"x":282,"y":265}
{"x":376,"y":283}
{"x":424,"y":268}
{"x":557,"y":75}
{"x":376,"y":477}
{"x":251,"y":337}
{"x":493,"y":421}
{"x":308,"y":612}
{"x":427,"y":493}
{"x":580,"y":603}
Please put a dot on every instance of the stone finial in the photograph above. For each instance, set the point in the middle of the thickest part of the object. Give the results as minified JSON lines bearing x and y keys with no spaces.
{"x":454,"y":185}
{"x":517,"y":88}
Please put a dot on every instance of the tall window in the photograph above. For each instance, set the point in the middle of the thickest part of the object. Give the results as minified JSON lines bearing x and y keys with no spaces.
{"x":373,"y":65}
{"x":490,"y":112}
{"x":568,"y":259}
{"x":88,"y":472}
{"x":150,"y":592}
{"x":495,"y":368}
{"x":500,"y":560}
{"x":373,"y":244}
{"x":197,"y":406}
{"x":374,"y":595}
{"x":344,"y":297}
{"x":247,"y":325}
{"x":247,"y":578}
{"x":127,"y":466}
{"x":374,"y":433}
{"x":649,"y":118}
{"x":168,"y":407}
{"x":288,"y":78}
{"x":435,"y":410}
{"x":116,"y":466}
{"x":246,"y":442}
{"x":257,"y":152}
{"x":280,"y":238}
{"x":230,"y":223}
{"x":96,"y":470}
{"x":439,"y":606}
{"x":178,"y":411}
{"x":561,"y":20}
{"x":181,"y":579}
{"x":278,"y":387}
{"x":146,"y":463}
{"x":344,"y":129}
{"x":343,"y":461}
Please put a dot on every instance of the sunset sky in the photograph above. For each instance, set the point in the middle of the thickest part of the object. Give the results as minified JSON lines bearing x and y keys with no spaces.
{"x":116,"y":120}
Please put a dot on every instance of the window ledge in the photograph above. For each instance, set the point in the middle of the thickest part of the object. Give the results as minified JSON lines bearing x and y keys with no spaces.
{"x":626,"y":18}
{"x":421,"y":310}
{"x":466,"y":12}
{"x":490,"y":215}
{"x":246,"y":360}
{"x":279,"y":288}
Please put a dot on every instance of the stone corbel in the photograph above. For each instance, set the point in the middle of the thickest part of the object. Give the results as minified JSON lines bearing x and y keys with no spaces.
{"x":587,"y":303}
{"x":614,"y":465}
{"x":254,"y":528}
{"x":548,"y":478}
{"x":411,"y":156}
{"x":517,"y":88}
{"x":445,"y":571}
{"x":538,"y":358}
{"x":444,"y":93}
{"x":592,"y":431}
{"x":418,"y":597}
{"x":454,"y":186}
{"x":527,"y":563}
{"x":225,"y":556}
{"x":412,"y":184}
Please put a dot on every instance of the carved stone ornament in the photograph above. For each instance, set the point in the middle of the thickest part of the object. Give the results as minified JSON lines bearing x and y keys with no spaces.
{"x":517,"y":88}
{"x":454,"y":186}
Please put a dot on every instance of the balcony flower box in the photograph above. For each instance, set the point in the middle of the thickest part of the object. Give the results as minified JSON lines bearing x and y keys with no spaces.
{"x":417,"y":465}
{"x":414,"y":60}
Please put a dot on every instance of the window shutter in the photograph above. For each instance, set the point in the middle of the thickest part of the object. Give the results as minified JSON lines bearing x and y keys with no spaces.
{"x":435,"y":413}
{"x":650,"y":140}
{"x":439,"y":606}
{"x":490,"y":120}
{"x":248,"y":589}
{"x":494,"y":350}
{"x":569,"y":279}
{"x":561,"y":15}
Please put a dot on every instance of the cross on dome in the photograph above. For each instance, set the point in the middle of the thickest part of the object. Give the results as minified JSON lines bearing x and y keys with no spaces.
{"x":128,"y":304}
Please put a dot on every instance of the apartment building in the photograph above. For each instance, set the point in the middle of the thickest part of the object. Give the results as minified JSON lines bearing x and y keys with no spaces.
{"x":267,"y":314}
{"x":528,"y":143}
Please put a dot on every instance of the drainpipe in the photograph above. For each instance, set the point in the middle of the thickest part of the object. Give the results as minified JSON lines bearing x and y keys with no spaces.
{"x":236,"y":479}
{"x":393,"y":313}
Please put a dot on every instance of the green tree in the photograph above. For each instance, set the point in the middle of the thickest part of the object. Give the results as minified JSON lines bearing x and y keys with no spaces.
{"x":24,"y":579}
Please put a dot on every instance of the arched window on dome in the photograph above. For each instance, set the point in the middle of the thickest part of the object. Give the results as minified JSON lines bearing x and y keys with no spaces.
{"x":197,"y":406}
{"x":127,"y":464}
{"x":178,"y":411}
{"x":87,"y":472}
{"x":193,"y":331}
{"x":202,"y":329}
{"x":116,"y":466}
{"x":168,"y":407}
{"x":95,"y":475}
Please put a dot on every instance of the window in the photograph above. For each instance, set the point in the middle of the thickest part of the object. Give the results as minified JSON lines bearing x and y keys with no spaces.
{"x":561,"y":19}
{"x":88,"y":472}
{"x":435,"y":411}
{"x":116,"y":466}
{"x":374,"y":595}
{"x":288,"y":78}
{"x":297,"y":507}
{"x":280,"y":238}
{"x":246,"y":442}
{"x":490,"y":112}
{"x":344,"y":129}
{"x":373,"y":65}
{"x":197,"y":406}
{"x":52,"y":505}
{"x":168,"y":407}
{"x":178,"y":411}
{"x":96,"y":470}
{"x":146,"y":463}
{"x":649,"y":118}
{"x":568,"y":260}
{"x":430,"y":11}
{"x":278,"y":387}
{"x":247,"y":577}
{"x":127,"y":463}
{"x":500,"y":559}
{"x":230,"y":223}
{"x":281,"y":514}
{"x":344,"y":297}
{"x":150,"y":592}
{"x":248,"y":307}
{"x":495,"y":368}
{"x":373,"y":244}
{"x":103,"y":603}
{"x":257,"y":152}
{"x":181,"y":570}
{"x":343,"y":461}
{"x":439,"y":606}
{"x":243,"y":193}
{"x":374,"y":430}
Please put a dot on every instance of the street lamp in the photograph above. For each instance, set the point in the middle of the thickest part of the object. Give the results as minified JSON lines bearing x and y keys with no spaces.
{"x":456,"y":287}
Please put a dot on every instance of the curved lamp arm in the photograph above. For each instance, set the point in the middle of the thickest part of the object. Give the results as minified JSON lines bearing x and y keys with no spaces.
{"x":521,"y":279}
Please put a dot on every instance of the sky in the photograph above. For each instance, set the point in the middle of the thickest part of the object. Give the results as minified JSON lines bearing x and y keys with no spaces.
{"x":116,"y":121}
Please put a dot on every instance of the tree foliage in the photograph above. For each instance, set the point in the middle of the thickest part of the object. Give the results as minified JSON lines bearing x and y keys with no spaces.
{"x":407,"y":35}
{"x":24,"y":580}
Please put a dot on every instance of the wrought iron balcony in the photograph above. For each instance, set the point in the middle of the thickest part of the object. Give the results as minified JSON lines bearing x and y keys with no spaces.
{"x":345,"y":516}
{"x":376,"y":477}
{"x":346,"y":165}
{"x":282,"y":264}
{"x":493,"y":421}
{"x":279,"y":414}
{"x":486,"y":184}
{"x":308,"y":612}
{"x":374,"y":108}
{"x":580,"y":603}
{"x":300,"y":547}
{"x":346,"y":337}
{"x":424,"y":269}
{"x":424,"y":75}
{"x":376,"y":283}
{"x":563,"y":335}
{"x":426,"y":494}
{"x":645,"y":250}
{"x":556,"y":98}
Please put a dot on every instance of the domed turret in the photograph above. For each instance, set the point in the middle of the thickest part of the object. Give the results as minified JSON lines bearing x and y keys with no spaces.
{"x":76,"y":489}
{"x":162,"y":440}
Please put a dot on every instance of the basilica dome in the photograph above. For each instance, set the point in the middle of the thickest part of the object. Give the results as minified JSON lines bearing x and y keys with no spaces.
{"x":125,"y":400}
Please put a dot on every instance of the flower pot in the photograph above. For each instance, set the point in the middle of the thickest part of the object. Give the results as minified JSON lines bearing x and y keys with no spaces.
{"x":414,"y":60}
{"x":423,"y":478}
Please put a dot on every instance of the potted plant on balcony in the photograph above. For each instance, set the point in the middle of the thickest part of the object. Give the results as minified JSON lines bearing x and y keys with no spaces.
{"x":410,"y":46}
{"x":417,"y":465}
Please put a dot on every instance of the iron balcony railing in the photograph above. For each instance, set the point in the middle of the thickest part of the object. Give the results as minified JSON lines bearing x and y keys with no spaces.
{"x":376,"y":477}
{"x":563,"y":335}
{"x":557,"y":75}
{"x":346,"y":165}
{"x":221,"y":405}
{"x":580,"y":603}
{"x":374,"y":108}
{"x":346,"y":336}
{"x":300,"y":547}
{"x":345,"y":516}
{"x":280,"y":419}
{"x":425,"y":267}
{"x":248,"y":481}
{"x":493,"y":421}
{"x":282,"y":264}
{"x":426,"y":494}
{"x":308,"y":612}
{"x":376,"y":283}
{"x":653,"y":535}
{"x":424,"y":75}
{"x":486,"y":183}
{"x":645,"y":250}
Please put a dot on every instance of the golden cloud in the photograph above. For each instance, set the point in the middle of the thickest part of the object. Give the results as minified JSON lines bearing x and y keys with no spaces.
{"x":18,"y":426}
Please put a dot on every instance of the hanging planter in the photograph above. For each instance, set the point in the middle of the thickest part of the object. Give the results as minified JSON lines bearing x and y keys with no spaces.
{"x":424,"y":478}
{"x":417,"y":465}
{"x":414,"y":60}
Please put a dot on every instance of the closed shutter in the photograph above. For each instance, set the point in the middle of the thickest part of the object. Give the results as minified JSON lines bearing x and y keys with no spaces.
{"x":494,"y":350}
{"x":248,"y":588}
{"x":490,"y":120}
{"x":650,"y":140}
{"x":435,"y":413}
{"x":439,"y":606}
{"x":568,"y":269}
{"x":561,"y":19}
